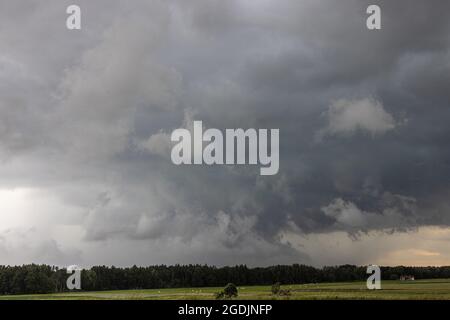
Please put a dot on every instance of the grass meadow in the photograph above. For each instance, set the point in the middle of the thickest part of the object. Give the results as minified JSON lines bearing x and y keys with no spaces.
{"x":391,"y":290}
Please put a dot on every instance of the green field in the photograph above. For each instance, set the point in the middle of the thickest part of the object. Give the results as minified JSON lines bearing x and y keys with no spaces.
{"x":419,"y":289}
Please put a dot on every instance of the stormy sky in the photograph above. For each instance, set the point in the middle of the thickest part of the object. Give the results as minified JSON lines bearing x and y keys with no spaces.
{"x":86,"y":117}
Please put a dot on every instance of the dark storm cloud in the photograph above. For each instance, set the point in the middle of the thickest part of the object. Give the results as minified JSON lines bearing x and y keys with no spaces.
{"x":314,"y":60}
{"x":363,"y":118}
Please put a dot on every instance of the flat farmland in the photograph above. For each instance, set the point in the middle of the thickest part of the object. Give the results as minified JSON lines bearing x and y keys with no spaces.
{"x":391,"y":290}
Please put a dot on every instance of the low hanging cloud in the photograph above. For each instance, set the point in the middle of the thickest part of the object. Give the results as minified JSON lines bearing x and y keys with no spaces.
{"x":394,"y":212}
{"x":348,"y":117}
{"x":157,"y":144}
{"x":346,"y":213}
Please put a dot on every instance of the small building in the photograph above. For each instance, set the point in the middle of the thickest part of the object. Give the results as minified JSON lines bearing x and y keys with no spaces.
{"x":406,"y":278}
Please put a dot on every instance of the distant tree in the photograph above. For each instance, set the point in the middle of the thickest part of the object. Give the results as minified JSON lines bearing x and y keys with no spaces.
{"x":276,"y":288}
{"x":230,"y":290}
{"x":88,"y":280}
{"x":393,"y":277}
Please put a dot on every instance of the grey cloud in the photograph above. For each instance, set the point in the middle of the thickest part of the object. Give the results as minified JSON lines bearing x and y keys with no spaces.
{"x":347,"y":117}
{"x":86,"y":116}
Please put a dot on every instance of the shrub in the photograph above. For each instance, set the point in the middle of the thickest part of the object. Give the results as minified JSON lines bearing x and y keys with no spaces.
{"x":230,"y":290}
{"x":220,"y":295}
{"x":276,"y":288}
{"x":286,"y":292}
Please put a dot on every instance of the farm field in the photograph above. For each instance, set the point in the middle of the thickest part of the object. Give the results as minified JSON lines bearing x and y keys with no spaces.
{"x":391,"y":290}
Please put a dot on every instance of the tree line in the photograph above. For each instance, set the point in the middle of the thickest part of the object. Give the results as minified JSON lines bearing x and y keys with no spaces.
{"x":32,"y":279}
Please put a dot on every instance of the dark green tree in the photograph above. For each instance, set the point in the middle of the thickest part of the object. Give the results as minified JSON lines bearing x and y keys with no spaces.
{"x":230,"y":290}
